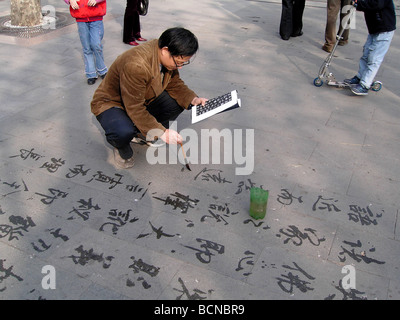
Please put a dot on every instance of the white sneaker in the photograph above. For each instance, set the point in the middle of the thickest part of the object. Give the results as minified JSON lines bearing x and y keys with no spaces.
{"x":122,"y":163}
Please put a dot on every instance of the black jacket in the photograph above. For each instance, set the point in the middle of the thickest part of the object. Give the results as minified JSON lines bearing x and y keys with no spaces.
{"x":380,"y":15}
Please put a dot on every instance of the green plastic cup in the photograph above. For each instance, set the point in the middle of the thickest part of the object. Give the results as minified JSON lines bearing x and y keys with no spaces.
{"x":258,"y":203}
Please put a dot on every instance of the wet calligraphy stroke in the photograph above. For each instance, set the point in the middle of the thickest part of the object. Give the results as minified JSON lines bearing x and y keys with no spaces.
{"x":6,"y":273}
{"x":25,"y":154}
{"x":185,"y":292}
{"x":89,"y":255}
{"x":206,"y":175}
{"x":118,"y":219}
{"x":288,"y":282}
{"x":84,"y":209}
{"x":296,"y":236}
{"x":361,"y":256}
{"x":204,"y":254}
{"x":139,"y":266}
{"x":16,"y":228}
{"x":178,"y":200}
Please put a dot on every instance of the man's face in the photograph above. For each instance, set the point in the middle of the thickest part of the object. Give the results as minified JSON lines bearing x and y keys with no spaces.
{"x":173,"y":62}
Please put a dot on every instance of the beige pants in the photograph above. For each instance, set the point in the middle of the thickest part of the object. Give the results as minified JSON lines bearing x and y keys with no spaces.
{"x":333,"y":9}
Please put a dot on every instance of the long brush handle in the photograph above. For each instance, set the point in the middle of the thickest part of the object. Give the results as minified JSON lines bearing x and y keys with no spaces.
{"x":183,"y":152}
{"x":184,"y":157}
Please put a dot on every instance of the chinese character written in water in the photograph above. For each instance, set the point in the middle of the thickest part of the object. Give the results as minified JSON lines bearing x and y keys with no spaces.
{"x":54,"y":165}
{"x":248,"y":259}
{"x":350,"y":294}
{"x":89,"y":255}
{"x":195,"y":296}
{"x":101,"y":177}
{"x":54,"y":194}
{"x":118,"y":219}
{"x":15,"y":186}
{"x":245,"y":185}
{"x":286,"y":198}
{"x":158,"y":231}
{"x":139,"y":266}
{"x":19,"y":224}
{"x":325,"y":204}
{"x":204,"y":255}
{"x":296,"y":236}
{"x":78,"y":169}
{"x":206,"y":176}
{"x":83,"y":209}
{"x":363,"y":215}
{"x":362,"y":256}
{"x":44,"y":246}
{"x":256,"y":225}
{"x":25,"y":154}
{"x":178,"y":200}
{"x":219,"y":213}
{"x":138,"y":189}
{"x":290,"y":281}
{"x":6,"y":273}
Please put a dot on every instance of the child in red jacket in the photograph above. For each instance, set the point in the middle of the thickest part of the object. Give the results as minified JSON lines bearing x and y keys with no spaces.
{"x":89,"y":17}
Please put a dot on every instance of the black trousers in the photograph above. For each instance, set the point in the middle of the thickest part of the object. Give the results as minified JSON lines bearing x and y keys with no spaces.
{"x":120,"y":130}
{"x":291,"y":18}
{"x":131,"y":21}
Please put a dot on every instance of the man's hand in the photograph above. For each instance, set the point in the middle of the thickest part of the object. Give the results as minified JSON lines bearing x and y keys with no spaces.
{"x":74,"y":4}
{"x":196,"y":101}
{"x":171,"y":137}
{"x":92,"y":3}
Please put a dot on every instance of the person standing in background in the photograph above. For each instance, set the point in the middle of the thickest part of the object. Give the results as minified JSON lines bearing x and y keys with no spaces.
{"x":292,"y":18}
{"x":380,"y":17}
{"x":131,"y":33}
{"x":333,"y":7}
{"x":89,"y":17}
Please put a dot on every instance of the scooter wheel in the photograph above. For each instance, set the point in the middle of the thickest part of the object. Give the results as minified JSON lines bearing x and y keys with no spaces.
{"x":318,"y":82}
{"x":376,"y":86}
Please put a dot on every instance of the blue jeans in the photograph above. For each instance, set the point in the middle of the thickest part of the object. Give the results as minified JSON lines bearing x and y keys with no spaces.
{"x":374,"y":51}
{"x":119,"y":128}
{"x":91,"y":35}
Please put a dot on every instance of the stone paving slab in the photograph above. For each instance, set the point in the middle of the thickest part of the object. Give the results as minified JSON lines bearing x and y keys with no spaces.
{"x":160,"y":232}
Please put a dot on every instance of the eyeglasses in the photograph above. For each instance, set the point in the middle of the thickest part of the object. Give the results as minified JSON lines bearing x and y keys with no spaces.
{"x":180,"y":64}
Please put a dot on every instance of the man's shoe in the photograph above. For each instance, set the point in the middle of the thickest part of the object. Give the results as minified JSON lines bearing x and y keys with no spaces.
{"x":133,"y":43}
{"x":141,"y":39}
{"x":155,"y":144}
{"x":91,"y":81}
{"x":103,"y":75}
{"x":327,"y":48}
{"x":359,"y":90}
{"x":354,"y":80}
{"x":122,"y":163}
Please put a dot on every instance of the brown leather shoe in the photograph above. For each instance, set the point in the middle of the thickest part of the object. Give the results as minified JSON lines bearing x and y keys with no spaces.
{"x":327,"y":48}
{"x":122,"y":163}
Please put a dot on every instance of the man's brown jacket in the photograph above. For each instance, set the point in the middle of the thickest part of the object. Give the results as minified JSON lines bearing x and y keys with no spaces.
{"x":133,"y":81}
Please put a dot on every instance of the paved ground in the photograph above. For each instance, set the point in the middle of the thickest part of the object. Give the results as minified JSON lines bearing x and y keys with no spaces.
{"x":329,"y":159}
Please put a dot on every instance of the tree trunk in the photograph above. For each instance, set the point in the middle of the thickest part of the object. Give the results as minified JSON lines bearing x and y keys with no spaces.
{"x":26,"y":13}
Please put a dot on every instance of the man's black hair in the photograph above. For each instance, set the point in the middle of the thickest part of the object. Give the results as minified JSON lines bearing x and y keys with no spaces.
{"x":180,"y":42}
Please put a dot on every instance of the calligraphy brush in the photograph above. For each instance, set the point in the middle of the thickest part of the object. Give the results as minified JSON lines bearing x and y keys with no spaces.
{"x":184,"y":156}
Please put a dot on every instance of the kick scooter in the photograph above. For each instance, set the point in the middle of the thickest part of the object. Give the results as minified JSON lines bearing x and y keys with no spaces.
{"x":329,"y":78}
